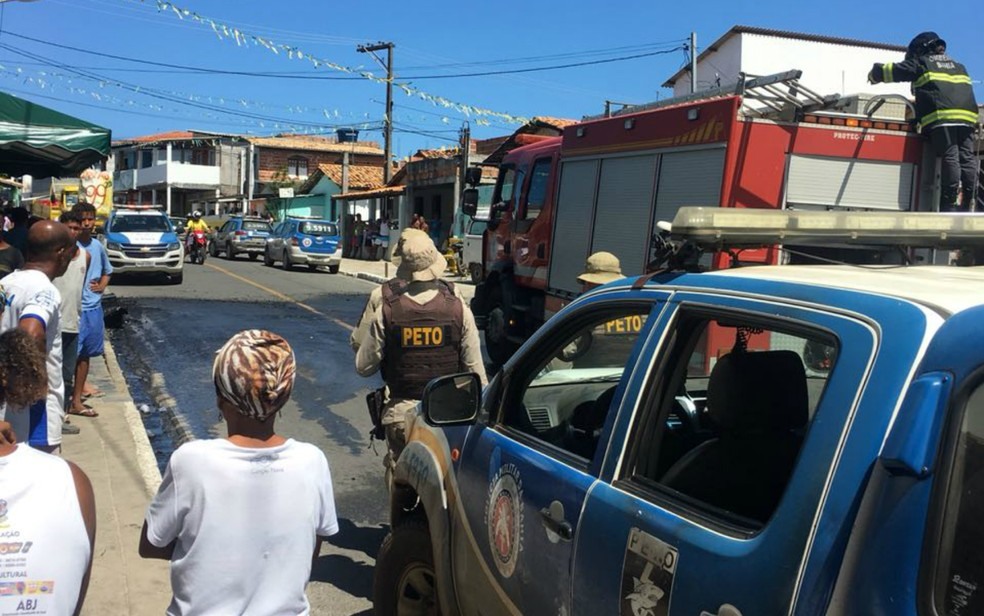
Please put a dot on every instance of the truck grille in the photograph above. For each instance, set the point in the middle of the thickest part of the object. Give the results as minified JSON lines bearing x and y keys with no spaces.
{"x":144,"y":251}
{"x":540,"y":418}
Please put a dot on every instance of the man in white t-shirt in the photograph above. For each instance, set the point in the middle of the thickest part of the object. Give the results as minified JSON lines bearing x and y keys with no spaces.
{"x":240,"y":518}
{"x":32,"y":304}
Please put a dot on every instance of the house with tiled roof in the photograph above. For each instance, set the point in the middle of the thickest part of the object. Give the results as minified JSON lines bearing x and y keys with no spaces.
{"x":830,"y":64}
{"x":314,"y":196}
{"x":539,"y":127}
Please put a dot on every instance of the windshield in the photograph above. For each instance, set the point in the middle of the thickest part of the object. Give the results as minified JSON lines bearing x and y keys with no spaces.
{"x":140,"y":222}
{"x":255,"y":225}
{"x":477,"y":227}
{"x":318,"y":228}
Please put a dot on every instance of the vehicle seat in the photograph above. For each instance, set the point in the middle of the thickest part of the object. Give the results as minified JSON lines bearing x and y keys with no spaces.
{"x":759,"y":404}
{"x":587,"y":422}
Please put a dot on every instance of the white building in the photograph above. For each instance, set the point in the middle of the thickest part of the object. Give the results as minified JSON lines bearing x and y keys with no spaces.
{"x":830,"y":65}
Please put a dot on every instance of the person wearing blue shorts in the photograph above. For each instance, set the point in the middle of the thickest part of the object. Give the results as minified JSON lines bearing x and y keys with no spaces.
{"x":91,"y":326}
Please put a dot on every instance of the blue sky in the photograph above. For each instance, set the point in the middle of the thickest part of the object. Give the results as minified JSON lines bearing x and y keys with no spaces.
{"x":433,"y":37}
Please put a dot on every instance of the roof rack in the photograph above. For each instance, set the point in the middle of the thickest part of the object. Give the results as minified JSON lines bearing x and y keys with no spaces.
{"x":771,"y":96}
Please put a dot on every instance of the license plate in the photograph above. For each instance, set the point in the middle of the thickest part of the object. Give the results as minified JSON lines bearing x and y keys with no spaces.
{"x":144,"y":264}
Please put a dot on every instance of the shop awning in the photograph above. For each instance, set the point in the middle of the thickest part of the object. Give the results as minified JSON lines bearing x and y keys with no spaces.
{"x":43,"y":142}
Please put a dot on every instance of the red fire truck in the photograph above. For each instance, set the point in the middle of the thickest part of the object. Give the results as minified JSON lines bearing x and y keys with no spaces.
{"x":766,"y":142}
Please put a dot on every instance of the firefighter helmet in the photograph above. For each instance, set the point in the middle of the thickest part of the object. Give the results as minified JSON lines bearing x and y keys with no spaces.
{"x":924,"y":43}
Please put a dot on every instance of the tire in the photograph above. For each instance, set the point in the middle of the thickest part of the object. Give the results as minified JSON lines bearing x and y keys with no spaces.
{"x":267,"y":259}
{"x":201,"y":257}
{"x":496,"y":330}
{"x":229,"y":254}
{"x":286,"y":264}
{"x":312,"y":267}
{"x":252,"y":256}
{"x":177,"y":278}
{"x":404,"y":581}
{"x":213,"y":250}
{"x":333,"y":269}
{"x":475,"y":271}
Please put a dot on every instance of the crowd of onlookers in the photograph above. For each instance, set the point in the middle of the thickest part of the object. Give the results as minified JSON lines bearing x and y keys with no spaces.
{"x":370,"y":239}
{"x":219,"y":497}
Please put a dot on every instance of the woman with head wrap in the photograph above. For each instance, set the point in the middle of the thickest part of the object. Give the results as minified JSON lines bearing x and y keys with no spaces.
{"x":240,"y":517}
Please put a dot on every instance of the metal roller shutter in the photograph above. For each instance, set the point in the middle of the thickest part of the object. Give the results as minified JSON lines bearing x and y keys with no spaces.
{"x":839,"y":182}
{"x":688,"y":178}
{"x":625,"y":200}
{"x":572,"y":228}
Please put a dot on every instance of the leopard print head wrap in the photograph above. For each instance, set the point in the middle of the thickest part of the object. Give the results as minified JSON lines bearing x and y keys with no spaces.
{"x":254,"y":370}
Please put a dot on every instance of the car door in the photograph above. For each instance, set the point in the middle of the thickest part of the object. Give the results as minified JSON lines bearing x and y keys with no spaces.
{"x":709,"y":498}
{"x":523,"y":474}
{"x":276,"y":240}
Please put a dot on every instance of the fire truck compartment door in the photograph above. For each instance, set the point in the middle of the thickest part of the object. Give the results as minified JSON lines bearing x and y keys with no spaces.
{"x":693,"y":177}
{"x":846,"y":182}
{"x":625,"y":199}
{"x":572,"y":233}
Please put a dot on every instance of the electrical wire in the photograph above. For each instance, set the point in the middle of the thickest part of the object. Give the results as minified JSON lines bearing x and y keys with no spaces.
{"x":333,"y":78}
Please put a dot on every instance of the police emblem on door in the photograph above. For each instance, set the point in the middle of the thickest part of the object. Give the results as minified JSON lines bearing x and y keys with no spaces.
{"x":504,"y":517}
{"x":647,"y":575}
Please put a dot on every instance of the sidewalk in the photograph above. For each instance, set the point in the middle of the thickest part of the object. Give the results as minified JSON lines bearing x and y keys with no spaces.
{"x":115,"y":453}
{"x":381,"y":271}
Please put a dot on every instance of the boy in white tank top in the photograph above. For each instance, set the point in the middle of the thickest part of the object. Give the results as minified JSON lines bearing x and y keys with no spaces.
{"x":47,"y":509}
{"x":240,"y":517}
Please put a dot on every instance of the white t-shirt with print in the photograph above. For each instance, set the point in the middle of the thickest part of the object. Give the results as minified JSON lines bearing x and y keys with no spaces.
{"x":245,"y":522}
{"x":30,"y":294}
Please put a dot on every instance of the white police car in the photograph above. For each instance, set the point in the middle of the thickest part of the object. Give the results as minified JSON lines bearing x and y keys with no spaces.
{"x":142,"y":240}
{"x":758,"y":441}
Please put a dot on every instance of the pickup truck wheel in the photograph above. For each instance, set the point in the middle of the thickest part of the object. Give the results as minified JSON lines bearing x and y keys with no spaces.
{"x":333,"y":269}
{"x":404,"y":583}
{"x":267,"y":259}
{"x":496,"y":330}
{"x":213,"y":250}
{"x":228,"y":251}
{"x":252,"y":256}
{"x":286,"y":262}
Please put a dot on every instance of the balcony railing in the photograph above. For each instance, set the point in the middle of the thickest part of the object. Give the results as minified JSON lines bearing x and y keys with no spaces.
{"x":176,"y":174}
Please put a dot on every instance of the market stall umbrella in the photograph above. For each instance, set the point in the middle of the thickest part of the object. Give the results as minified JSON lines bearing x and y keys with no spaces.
{"x":43,"y":142}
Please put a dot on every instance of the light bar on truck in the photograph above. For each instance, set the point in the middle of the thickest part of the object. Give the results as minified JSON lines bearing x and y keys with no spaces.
{"x":719,"y":228}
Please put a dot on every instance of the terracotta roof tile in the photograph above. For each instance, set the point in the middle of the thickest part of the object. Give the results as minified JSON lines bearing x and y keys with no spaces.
{"x":555,"y":122}
{"x":320,"y":144}
{"x":174,"y":135}
{"x":360,"y":176}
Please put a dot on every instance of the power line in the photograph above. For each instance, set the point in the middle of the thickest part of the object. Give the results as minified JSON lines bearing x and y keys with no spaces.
{"x":319,"y":77}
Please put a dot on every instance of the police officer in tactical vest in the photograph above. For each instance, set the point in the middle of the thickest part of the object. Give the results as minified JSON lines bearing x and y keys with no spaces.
{"x":421,"y":330}
{"x":946,"y":110}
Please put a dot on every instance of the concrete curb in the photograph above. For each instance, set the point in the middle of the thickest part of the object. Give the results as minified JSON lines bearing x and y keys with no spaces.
{"x":146,"y":460}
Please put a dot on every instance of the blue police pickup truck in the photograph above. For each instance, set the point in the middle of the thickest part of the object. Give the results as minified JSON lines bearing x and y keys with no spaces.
{"x":752,"y":441}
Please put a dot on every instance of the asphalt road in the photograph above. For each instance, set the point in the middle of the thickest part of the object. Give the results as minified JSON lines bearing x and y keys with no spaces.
{"x":166,"y":348}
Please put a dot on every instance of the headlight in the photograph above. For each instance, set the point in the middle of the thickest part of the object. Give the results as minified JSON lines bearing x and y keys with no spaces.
{"x":174,"y":246}
{"x":114,"y":246}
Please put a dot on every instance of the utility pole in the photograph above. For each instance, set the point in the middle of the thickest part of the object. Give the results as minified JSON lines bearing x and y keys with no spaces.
{"x":693,"y":62}
{"x":388,"y":118}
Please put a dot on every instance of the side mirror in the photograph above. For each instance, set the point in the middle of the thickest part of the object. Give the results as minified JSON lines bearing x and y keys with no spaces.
{"x":473,"y":176}
{"x":452,"y":400}
{"x":469,"y":201}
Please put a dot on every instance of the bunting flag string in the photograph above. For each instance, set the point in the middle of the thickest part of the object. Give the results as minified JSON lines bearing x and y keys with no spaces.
{"x":242,"y":39}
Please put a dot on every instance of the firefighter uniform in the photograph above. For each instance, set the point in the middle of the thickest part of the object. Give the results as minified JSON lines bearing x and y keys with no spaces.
{"x":421,"y":330}
{"x":946,"y":112}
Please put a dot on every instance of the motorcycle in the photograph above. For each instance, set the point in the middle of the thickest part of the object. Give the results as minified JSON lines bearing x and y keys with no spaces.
{"x":197,"y":249}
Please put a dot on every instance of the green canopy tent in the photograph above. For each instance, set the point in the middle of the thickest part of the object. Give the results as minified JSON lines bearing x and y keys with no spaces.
{"x":43,"y":142}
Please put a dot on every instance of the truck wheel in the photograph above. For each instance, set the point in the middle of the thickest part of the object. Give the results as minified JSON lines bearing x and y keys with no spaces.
{"x":475,"y":270}
{"x":333,"y":269}
{"x":267,"y":259}
{"x":252,"y":256}
{"x":213,"y":250}
{"x":497,"y":328}
{"x":177,"y":278}
{"x":404,"y":582}
{"x":286,"y":262}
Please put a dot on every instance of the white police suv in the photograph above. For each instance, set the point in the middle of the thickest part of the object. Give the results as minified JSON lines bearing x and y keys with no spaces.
{"x":142,"y":240}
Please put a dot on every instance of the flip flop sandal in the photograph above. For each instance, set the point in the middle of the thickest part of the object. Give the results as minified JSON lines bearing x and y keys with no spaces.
{"x":86,"y":412}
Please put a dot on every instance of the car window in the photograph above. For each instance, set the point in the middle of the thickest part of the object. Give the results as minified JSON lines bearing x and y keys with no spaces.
{"x":562,"y":398}
{"x":478,"y":227}
{"x":228,"y":226}
{"x":256,"y":225}
{"x":318,"y":228}
{"x":137,"y":223}
{"x":960,"y":568}
{"x":537,"y":193}
{"x":727,"y":414}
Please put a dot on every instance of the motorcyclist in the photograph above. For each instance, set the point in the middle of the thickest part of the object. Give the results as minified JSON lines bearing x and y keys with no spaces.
{"x":195,"y":224}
